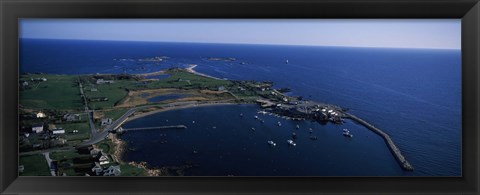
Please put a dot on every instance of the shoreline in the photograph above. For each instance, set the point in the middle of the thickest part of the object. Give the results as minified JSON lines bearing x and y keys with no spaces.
{"x":158,"y":110}
{"x":190,"y":69}
{"x":120,"y":145}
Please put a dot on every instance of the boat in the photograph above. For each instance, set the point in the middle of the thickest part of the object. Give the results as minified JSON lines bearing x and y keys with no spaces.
{"x":279,"y":123}
{"x":294,"y":135}
{"x":271,"y":143}
{"x":256,"y":117}
{"x":253,"y":129}
{"x":241,"y":114}
{"x":262,"y":112}
{"x":313,"y":137}
{"x":195,"y":152}
{"x":298,"y":127}
{"x":347,"y":134}
{"x":290,"y":142}
{"x":286,"y":61}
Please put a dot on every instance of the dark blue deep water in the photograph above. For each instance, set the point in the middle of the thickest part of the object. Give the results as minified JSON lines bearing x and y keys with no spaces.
{"x":414,"y":95}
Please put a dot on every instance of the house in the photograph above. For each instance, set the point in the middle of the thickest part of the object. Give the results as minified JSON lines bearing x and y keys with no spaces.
{"x":106,"y":121}
{"x":24,"y":84}
{"x":21,"y":168}
{"x":112,"y":171}
{"x":37,"y":128}
{"x":221,"y":88}
{"x":41,"y":115}
{"x":102,"y":81}
{"x":102,"y":158}
{"x":58,"y":131}
{"x":97,"y":169}
{"x":94,"y":152}
{"x":72,"y":117}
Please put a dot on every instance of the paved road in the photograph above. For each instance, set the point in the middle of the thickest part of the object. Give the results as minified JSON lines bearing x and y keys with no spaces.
{"x":49,"y":162}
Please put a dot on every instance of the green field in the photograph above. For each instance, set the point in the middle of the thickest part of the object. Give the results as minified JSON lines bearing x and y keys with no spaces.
{"x":114,"y":92}
{"x":67,"y":157}
{"x":58,"y":92}
{"x":35,"y":165}
{"x":129,"y":170}
{"x":186,"y":80}
{"x":83,"y":131}
{"x":114,"y":113}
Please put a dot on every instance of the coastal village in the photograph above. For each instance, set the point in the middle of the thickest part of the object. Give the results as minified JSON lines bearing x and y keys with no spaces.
{"x":69,"y":123}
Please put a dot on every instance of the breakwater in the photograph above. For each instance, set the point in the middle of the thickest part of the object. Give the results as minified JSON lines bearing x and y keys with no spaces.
{"x":391,"y":145}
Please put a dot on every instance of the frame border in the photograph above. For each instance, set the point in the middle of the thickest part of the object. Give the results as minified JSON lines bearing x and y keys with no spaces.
{"x":467,"y":10}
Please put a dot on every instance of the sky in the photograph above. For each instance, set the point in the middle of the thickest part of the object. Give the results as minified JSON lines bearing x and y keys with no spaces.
{"x":395,"y":33}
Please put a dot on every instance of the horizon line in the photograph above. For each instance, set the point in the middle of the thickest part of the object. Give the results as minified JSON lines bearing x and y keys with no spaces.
{"x":236,"y":43}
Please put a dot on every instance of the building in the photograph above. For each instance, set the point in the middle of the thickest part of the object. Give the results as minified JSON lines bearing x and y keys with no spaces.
{"x":102,"y":81}
{"x":41,"y":115}
{"x":106,"y":121}
{"x":58,"y":131}
{"x":112,"y":171}
{"x":37,"y":128}
{"x":221,"y":88}
{"x":24,"y":84}
{"x":97,"y":169}
{"x":72,"y":117}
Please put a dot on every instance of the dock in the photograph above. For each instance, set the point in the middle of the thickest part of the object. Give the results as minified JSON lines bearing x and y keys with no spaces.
{"x":391,"y":145}
{"x":153,"y":128}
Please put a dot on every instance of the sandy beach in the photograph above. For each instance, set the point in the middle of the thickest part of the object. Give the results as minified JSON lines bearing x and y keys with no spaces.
{"x":191,"y":70}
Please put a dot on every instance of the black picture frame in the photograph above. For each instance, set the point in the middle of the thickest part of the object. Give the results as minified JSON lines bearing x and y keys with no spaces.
{"x":467,"y":10}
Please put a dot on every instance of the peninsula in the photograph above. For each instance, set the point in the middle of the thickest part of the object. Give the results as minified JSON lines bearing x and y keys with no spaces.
{"x":73,"y":120}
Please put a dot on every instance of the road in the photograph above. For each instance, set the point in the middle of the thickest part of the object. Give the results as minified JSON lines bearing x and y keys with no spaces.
{"x":49,"y":161}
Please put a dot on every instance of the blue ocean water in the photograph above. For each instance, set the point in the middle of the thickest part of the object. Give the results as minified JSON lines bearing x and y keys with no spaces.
{"x":414,"y":95}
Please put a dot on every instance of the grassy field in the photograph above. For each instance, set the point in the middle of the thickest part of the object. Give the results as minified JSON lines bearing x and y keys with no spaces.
{"x":114,"y":92}
{"x":35,"y":165}
{"x":58,"y":92}
{"x":114,"y":113}
{"x":186,"y":80}
{"x":83,"y":131}
{"x":67,"y":157}
{"x":129,"y":170}
{"x":106,"y":146}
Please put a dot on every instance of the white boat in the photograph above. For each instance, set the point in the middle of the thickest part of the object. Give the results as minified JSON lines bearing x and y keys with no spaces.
{"x":286,"y":61}
{"x":271,"y":143}
{"x":290,"y":142}
{"x":279,"y":123}
{"x":298,"y":127}
{"x":256,"y":117}
{"x":347,"y":134}
{"x":253,"y":129}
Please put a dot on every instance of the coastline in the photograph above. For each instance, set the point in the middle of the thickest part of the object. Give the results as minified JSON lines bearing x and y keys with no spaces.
{"x":190,"y":69}
{"x":121,"y":145}
{"x":158,"y":110}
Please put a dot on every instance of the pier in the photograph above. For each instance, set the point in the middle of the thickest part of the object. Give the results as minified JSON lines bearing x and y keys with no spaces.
{"x":393,"y":148}
{"x":152,"y":128}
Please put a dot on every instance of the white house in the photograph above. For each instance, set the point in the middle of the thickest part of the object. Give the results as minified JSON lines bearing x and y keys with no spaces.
{"x":37,"y":128}
{"x":112,"y":171}
{"x":58,"y":131}
{"x":106,"y":121}
{"x":41,"y":115}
